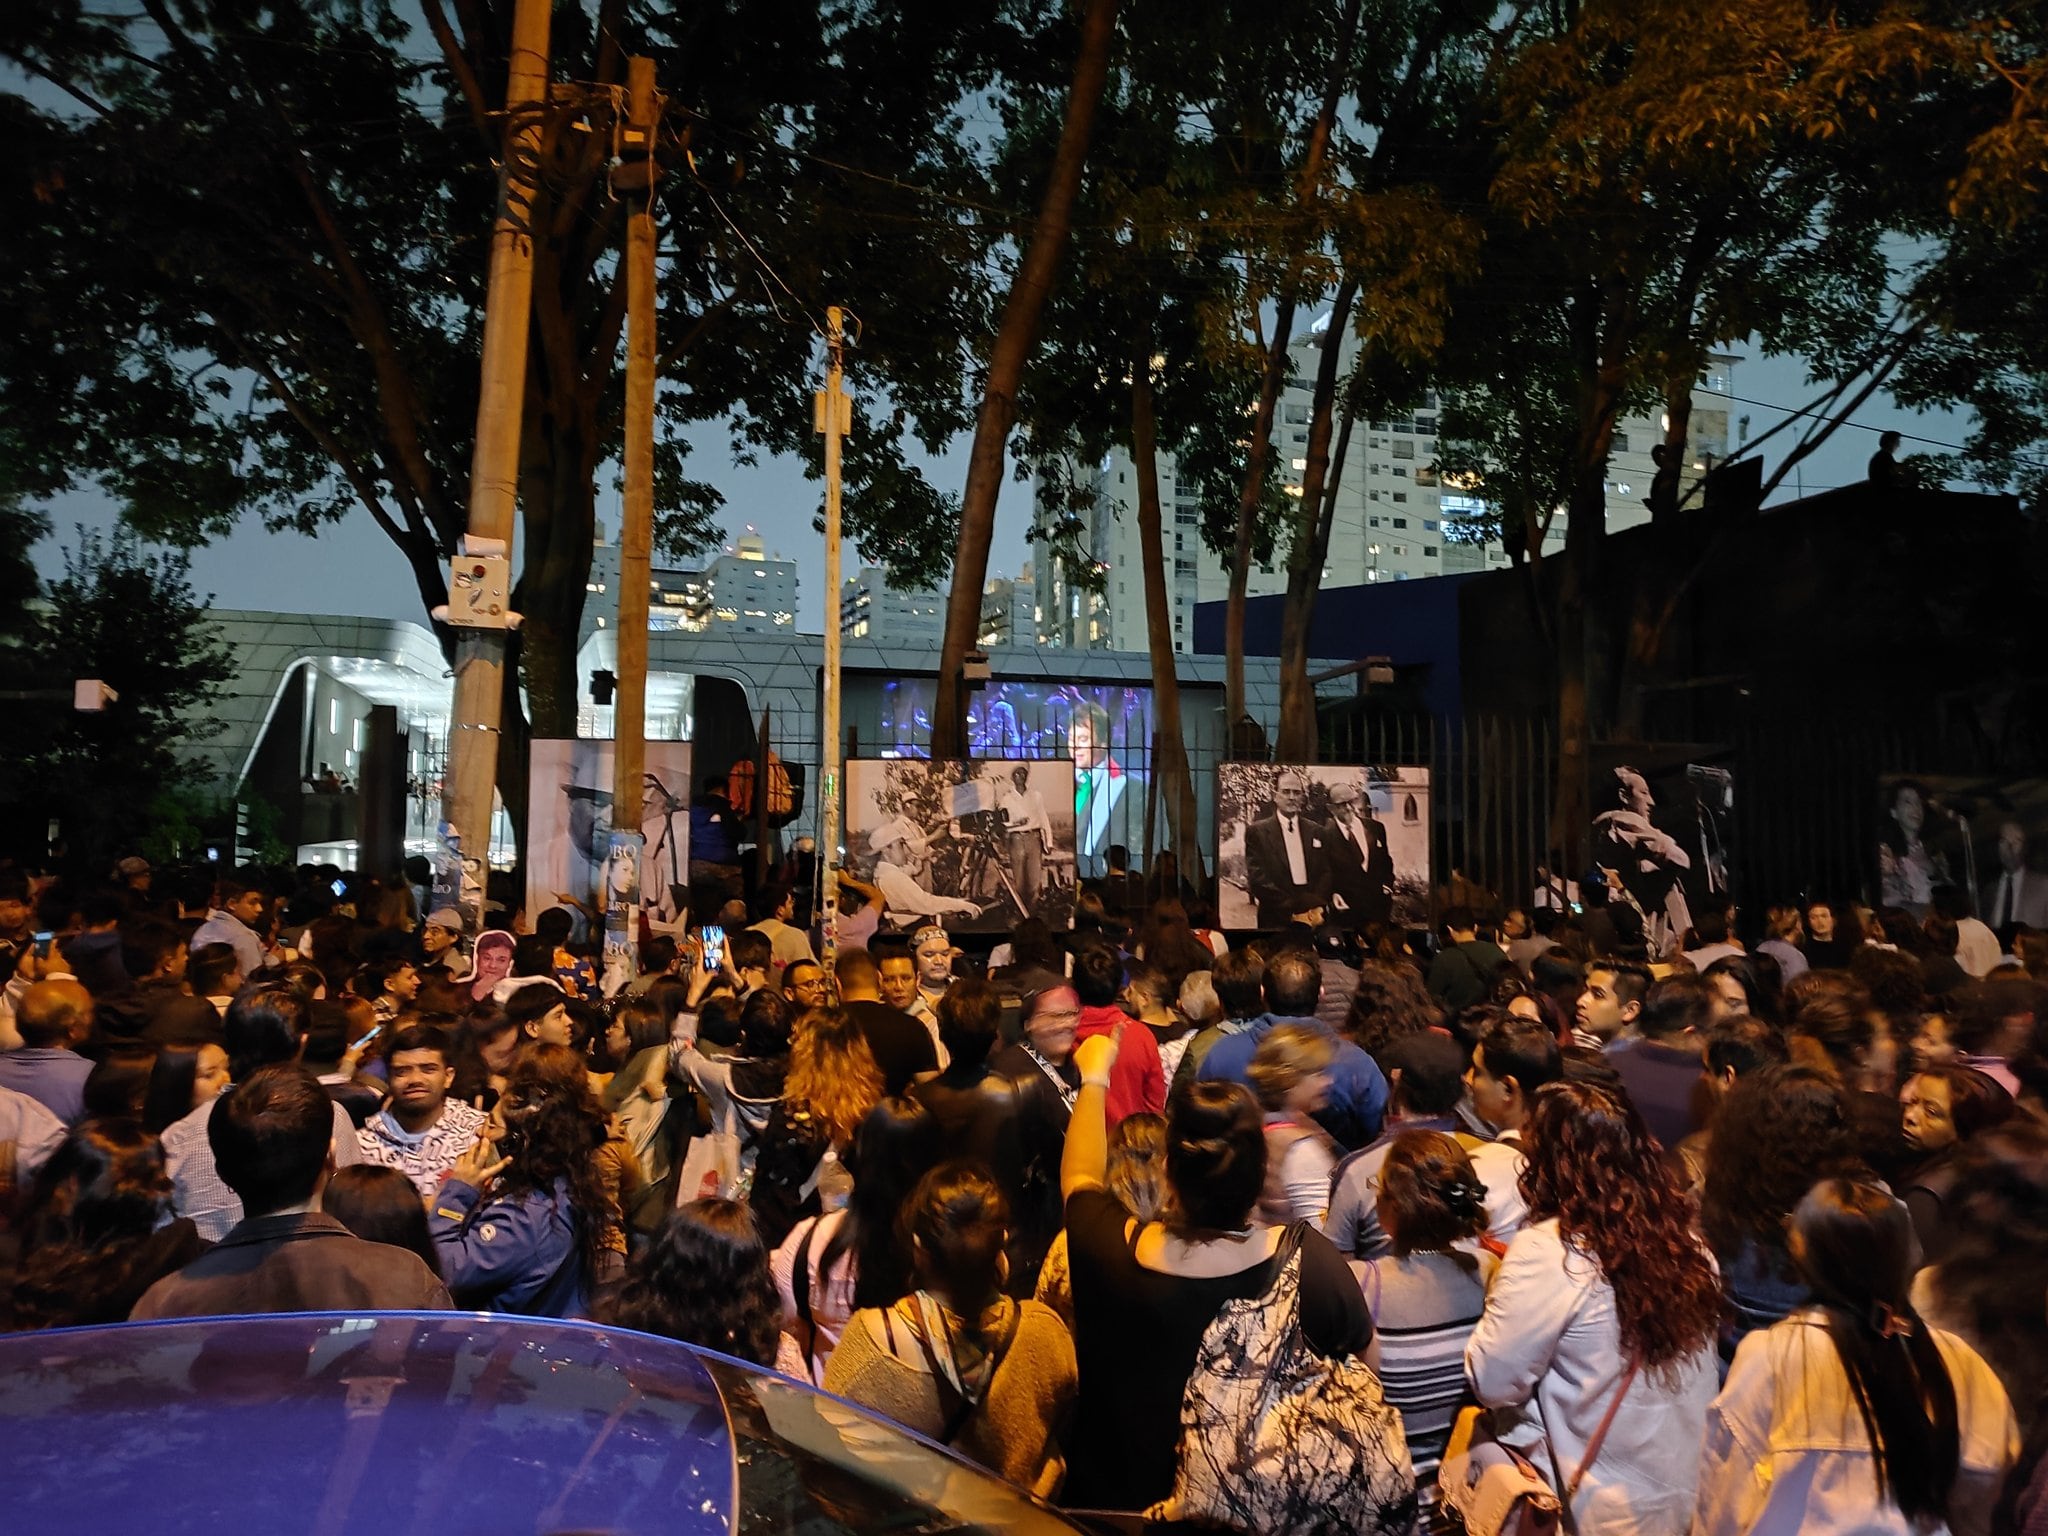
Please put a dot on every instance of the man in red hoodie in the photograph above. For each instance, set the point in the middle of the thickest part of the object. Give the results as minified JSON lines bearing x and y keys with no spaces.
{"x":1137,"y":1084}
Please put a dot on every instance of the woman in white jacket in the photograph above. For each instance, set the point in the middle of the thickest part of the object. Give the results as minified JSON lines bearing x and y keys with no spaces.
{"x":1608,"y":1275}
{"x":1852,"y":1414}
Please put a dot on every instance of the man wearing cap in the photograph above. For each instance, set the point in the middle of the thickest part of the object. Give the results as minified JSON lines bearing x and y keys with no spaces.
{"x":1361,"y":867}
{"x":1285,"y":853}
{"x":441,"y":946}
{"x":899,"y":857}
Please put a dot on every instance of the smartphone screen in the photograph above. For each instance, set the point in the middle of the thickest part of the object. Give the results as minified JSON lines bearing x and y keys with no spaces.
{"x":339,"y":887}
{"x":714,"y":947}
{"x":43,"y":943}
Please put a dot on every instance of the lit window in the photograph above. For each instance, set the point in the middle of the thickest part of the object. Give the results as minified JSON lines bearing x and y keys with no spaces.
{"x":334,"y":717}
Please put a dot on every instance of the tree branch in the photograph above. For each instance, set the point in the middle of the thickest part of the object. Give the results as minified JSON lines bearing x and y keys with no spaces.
{"x":465,"y":77}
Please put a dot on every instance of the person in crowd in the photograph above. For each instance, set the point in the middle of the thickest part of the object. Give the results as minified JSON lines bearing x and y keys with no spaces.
{"x":1661,"y":1066}
{"x":234,"y":921}
{"x":521,"y":1220}
{"x":388,"y":986}
{"x":541,"y":1014}
{"x":1042,"y":1062}
{"x":52,"y":1016}
{"x":1358,"y":1092}
{"x":1390,"y":1003}
{"x":898,"y":977}
{"x":857,"y":1256}
{"x":1833,"y":1024}
{"x":1730,"y":1049}
{"x":1989,"y":1287}
{"x":1426,"y":1077}
{"x":266,"y":1026}
{"x":773,"y":908}
{"x":98,"y":1232}
{"x":1462,"y":972}
{"x":957,"y":1359}
{"x":94,"y":951}
{"x":1149,"y":998}
{"x":933,"y":951}
{"x":1991,"y":1023}
{"x":181,"y":1079}
{"x":29,"y":1135}
{"x":1853,"y":1414}
{"x":381,"y":1205}
{"x":1513,"y":1061}
{"x":1290,"y":1075}
{"x":704,"y":1280}
{"x":750,"y":962}
{"x":423,"y":1131}
{"x":1606,"y":1294}
{"x":441,"y":957}
{"x":1427,"y":1292}
{"x":803,"y":983}
{"x":1713,"y":935}
{"x":1941,"y":1109}
{"x":118,"y":1085}
{"x":1831,"y":936}
{"x":271,"y":1140}
{"x":160,"y":1006}
{"x":1524,"y":940}
{"x":1777,"y":1130}
{"x":1737,"y":988}
{"x":1145,"y":1295}
{"x":833,"y":1081}
{"x":1199,"y":1007}
{"x":1784,"y":930}
{"x":1167,"y":942}
{"x":1238,"y":980}
{"x":1136,"y":1175}
{"x":646,"y":1120}
{"x":987,"y":1116}
{"x":902,"y":1047}
{"x":1140,"y":1086}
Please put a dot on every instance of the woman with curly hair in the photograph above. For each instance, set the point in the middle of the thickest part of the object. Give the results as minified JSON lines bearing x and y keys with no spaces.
{"x":833,"y":1082}
{"x":1777,"y":1130}
{"x":703,"y":1280}
{"x":1391,"y":1002}
{"x":91,"y":1244}
{"x":1607,"y":1294}
{"x":523,"y":1221}
{"x":1853,"y":1415}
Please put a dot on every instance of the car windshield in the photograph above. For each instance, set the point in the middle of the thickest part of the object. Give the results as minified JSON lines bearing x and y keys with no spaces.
{"x":452,"y":1425}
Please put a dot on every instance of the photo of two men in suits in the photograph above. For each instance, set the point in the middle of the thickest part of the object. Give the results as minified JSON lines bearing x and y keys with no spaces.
{"x":1313,"y":843}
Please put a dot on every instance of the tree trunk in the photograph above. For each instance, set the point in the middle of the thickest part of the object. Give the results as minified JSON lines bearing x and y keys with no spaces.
{"x":1170,"y":767}
{"x":1253,"y":491}
{"x":1015,"y":338}
{"x":1309,"y":546}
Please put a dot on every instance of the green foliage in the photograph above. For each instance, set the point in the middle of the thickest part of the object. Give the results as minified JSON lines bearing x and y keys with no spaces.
{"x":126,"y":614}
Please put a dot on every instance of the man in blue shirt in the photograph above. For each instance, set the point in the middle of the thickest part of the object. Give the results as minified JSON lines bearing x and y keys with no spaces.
{"x":52,"y":1016}
{"x":1358,"y":1091}
{"x":233,"y":923}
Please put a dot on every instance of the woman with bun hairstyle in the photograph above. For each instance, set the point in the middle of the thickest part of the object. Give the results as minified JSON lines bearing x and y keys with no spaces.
{"x":1145,"y":1293}
{"x":1428,"y":1295}
{"x":1854,"y":1414}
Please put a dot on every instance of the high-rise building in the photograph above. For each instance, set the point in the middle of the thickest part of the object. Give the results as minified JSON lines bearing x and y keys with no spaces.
{"x":744,"y":590}
{"x":1393,"y":519}
{"x":1009,"y":610}
{"x":871,"y":607}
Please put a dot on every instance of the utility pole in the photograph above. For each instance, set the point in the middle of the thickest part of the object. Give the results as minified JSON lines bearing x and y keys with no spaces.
{"x":633,"y":178}
{"x":479,"y":578}
{"x":835,"y":420}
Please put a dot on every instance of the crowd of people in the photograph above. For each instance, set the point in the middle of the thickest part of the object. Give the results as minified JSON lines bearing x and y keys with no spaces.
{"x":1316,"y":1229}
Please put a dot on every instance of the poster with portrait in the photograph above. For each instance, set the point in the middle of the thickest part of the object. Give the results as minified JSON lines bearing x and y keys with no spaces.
{"x":569,"y":827}
{"x":1981,"y":838}
{"x":1351,"y":841}
{"x":974,"y":843}
{"x":1663,"y":827}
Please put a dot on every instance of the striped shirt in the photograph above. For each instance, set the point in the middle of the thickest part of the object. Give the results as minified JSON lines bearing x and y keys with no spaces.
{"x":1424,"y":1308}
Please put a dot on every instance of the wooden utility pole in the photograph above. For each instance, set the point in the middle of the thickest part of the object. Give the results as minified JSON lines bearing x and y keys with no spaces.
{"x":835,"y":420}
{"x":471,"y":777}
{"x":634,"y":179}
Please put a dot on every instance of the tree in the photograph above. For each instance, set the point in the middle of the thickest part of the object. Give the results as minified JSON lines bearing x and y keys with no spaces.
{"x":250,"y":259}
{"x":127,"y":615}
{"x":1010,"y":351}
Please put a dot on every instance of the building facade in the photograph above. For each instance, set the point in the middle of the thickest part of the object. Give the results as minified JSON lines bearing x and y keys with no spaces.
{"x":743,"y":590}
